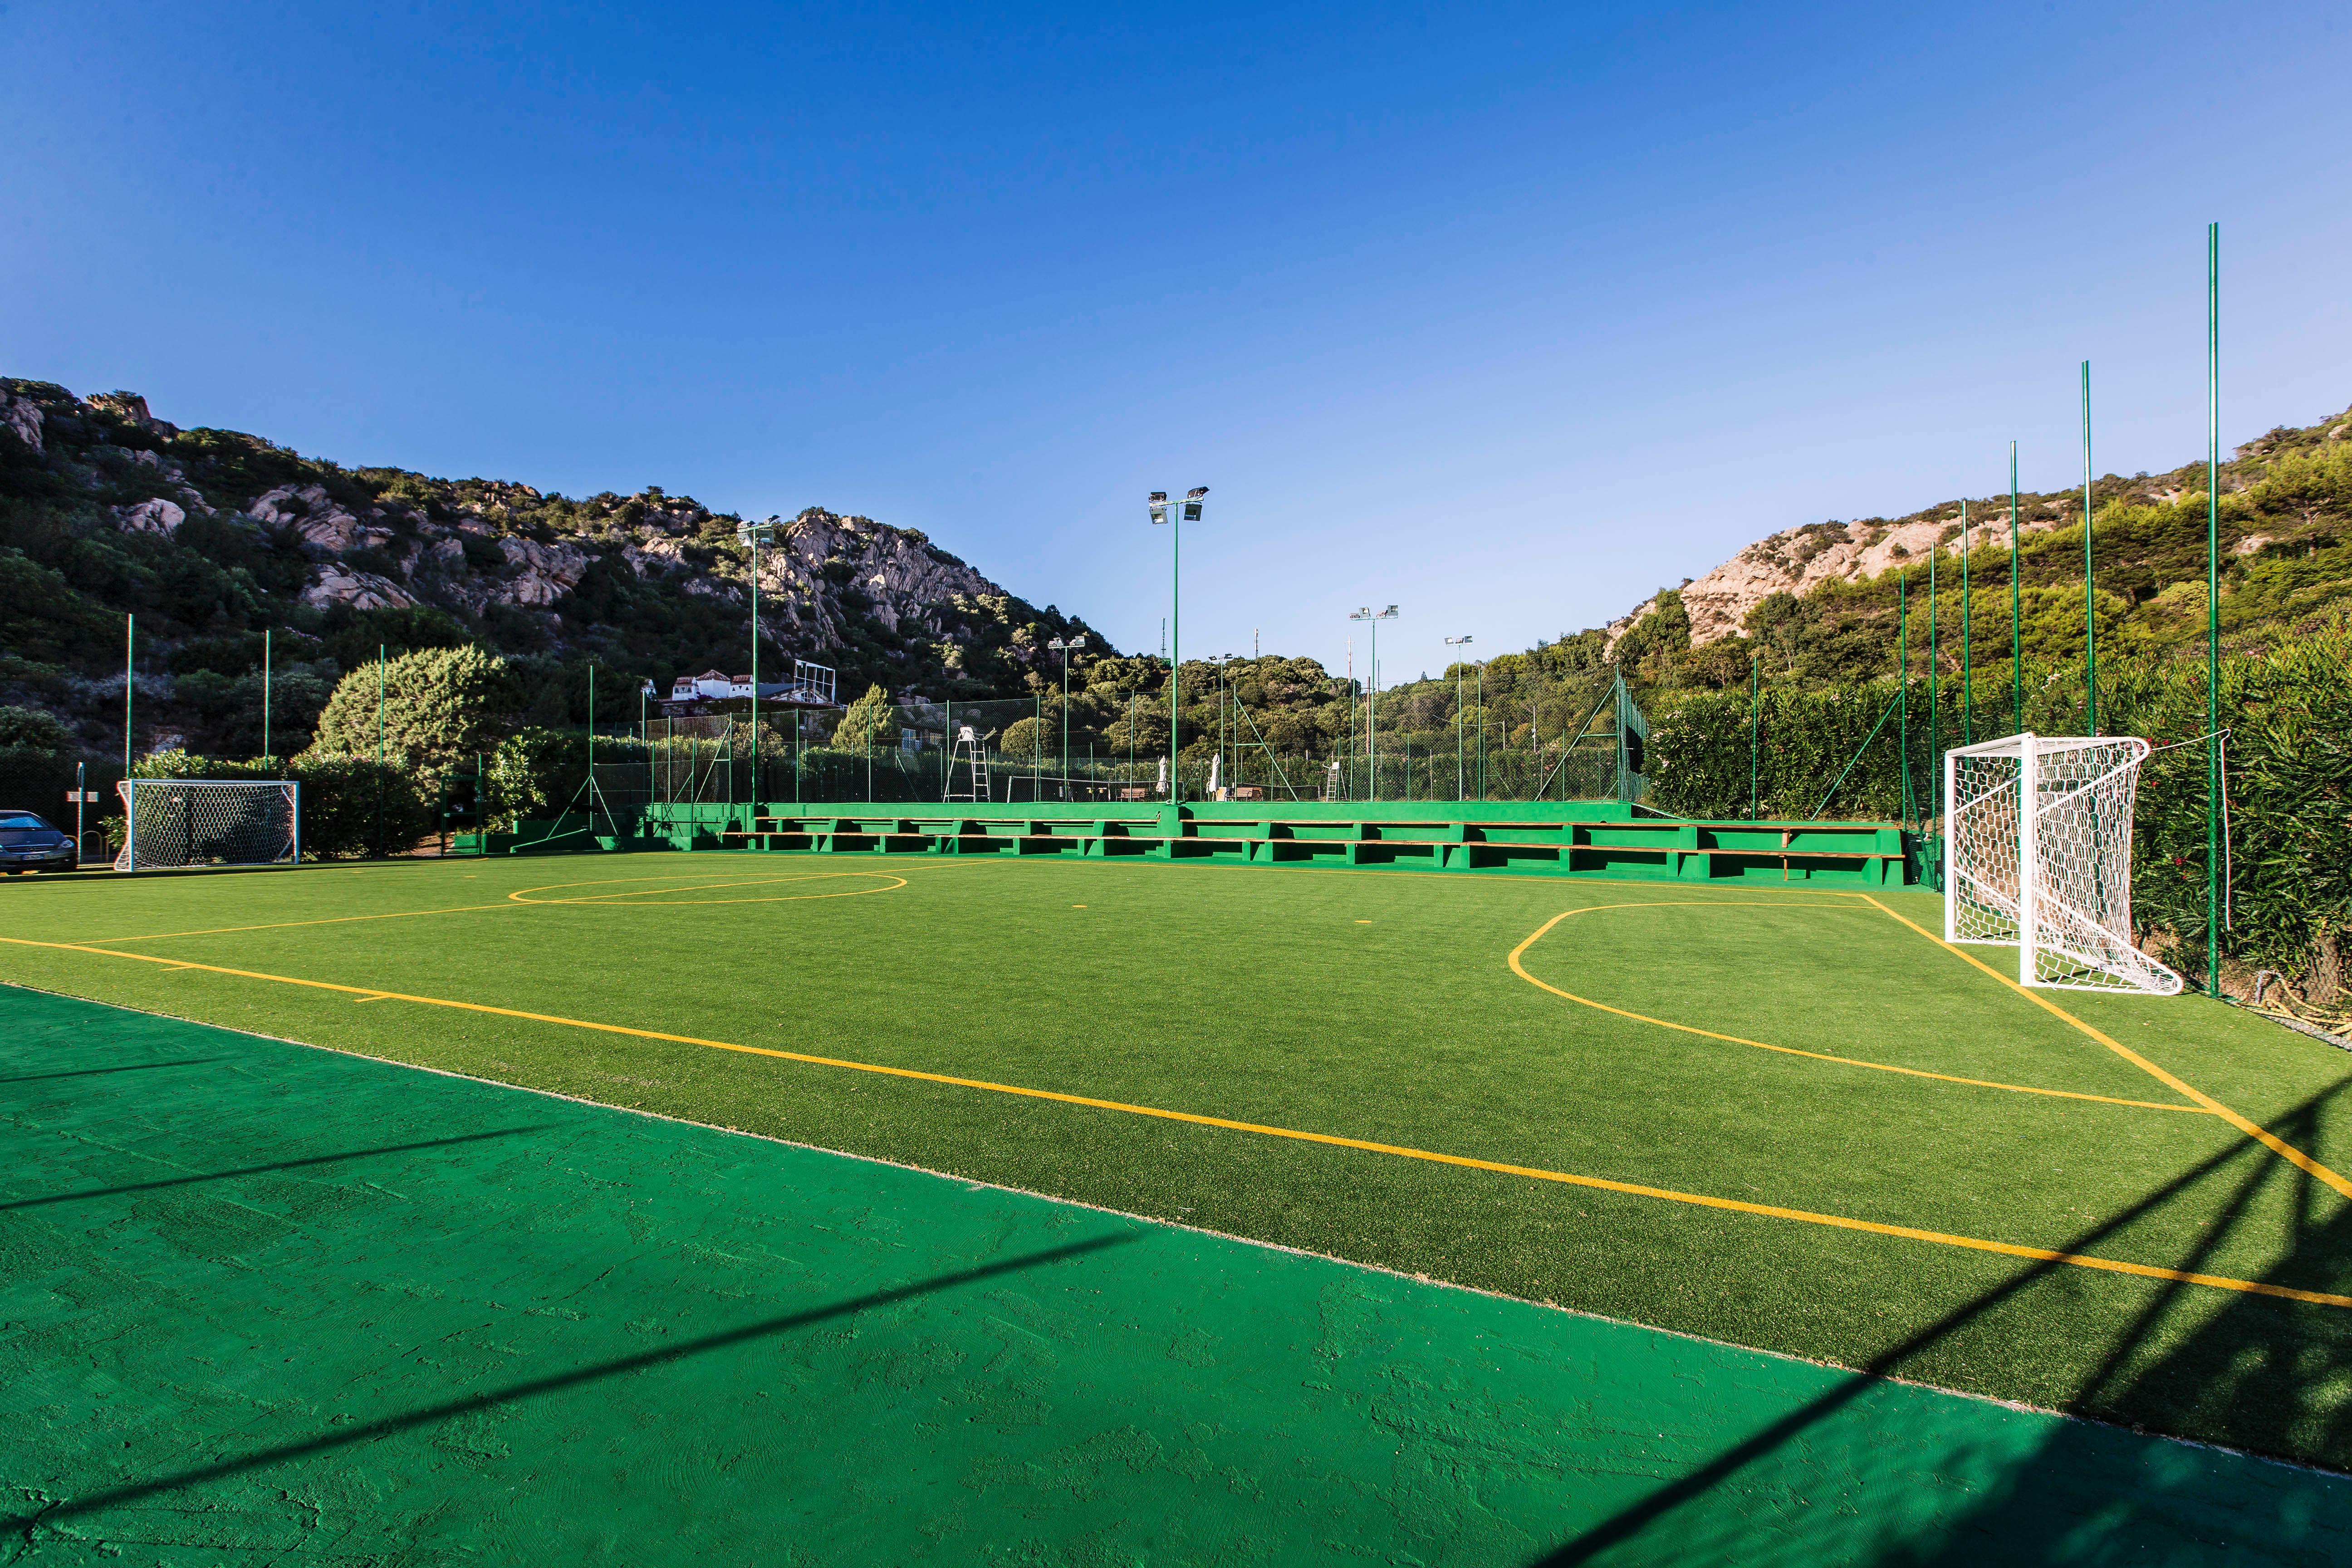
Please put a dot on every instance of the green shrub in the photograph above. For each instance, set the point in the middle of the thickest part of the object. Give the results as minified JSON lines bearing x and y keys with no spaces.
{"x":438,"y":707}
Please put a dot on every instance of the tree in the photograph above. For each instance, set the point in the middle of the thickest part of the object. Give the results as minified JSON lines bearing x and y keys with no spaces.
{"x":868,"y":721}
{"x":1030,"y":741}
{"x":439,"y":706}
{"x":31,"y":730}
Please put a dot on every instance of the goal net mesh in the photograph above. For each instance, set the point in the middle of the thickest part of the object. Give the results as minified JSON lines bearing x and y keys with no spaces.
{"x":207,"y":822}
{"x":2039,"y":830}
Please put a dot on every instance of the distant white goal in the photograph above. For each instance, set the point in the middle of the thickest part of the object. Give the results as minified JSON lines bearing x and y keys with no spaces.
{"x":209,"y":822}
{"x":2038,"y":849}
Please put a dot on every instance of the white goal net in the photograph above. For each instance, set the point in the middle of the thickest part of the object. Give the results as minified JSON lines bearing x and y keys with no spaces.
{"x":2038,"y":835}
{"x":209,"y":822}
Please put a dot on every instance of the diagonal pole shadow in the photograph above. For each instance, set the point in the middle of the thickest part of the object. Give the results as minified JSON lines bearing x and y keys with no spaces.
{"x":556,"y":1382}
{"x":94,"y":1072}
{"x":1632,"y":1520}
{"x":2300,"y":1128}
{"x":263,"y":1170}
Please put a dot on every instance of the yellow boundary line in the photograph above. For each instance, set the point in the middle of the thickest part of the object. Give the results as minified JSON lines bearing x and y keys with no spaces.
{"x":1544,"y":929}
{"x":2260,"y":1134}
{"x":1531,"y":1172}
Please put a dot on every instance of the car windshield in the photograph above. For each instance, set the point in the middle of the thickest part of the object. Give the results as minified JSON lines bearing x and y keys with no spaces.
{"x":20,"y":819}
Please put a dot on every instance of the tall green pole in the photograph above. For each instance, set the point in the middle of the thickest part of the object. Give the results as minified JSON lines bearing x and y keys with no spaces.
{"x":379,"y":750}
{"x":2016,"y":609}
{"x":1175,"y":650}
{"x":1903,"y":685}
{"x":1968,"y":686}
{"x":1755,"y":722}
{"x":2090,"y":599}
{"x":1935,"y":758}
{"x":2214,"y":781}
{"x":1373,"y":720}
{"x":1482,"y":731}
{"x":1065,"y":720}
{"x":266,"y":753}
{"x":1460,"y":785}
{"x":130,"y":627}
{"x":755,"y":679}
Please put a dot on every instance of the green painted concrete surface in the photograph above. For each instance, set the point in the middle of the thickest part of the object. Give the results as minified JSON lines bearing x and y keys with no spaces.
{"x":265,"y":1303}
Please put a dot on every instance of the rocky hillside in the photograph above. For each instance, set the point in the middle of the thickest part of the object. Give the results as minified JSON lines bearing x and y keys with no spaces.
{"x":213,"y":536}
{"x":1801,"y":561}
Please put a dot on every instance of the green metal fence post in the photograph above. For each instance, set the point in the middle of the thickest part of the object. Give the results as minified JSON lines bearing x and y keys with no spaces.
{"x":1903,"y":685}
{"x":1755,"y":721}
{"x":2213,"y":779}
{"x":379,"y":750}
{"x":1967,"y":689}
{"x":2090,"y":597}
{"x":2016,"y":610}
{"x":1482,"y":731}
{"x":1935,"y":758}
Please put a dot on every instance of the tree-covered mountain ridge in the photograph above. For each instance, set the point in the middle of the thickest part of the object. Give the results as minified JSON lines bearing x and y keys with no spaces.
{"x":1817,"y":597}
{"x":212,"y":536}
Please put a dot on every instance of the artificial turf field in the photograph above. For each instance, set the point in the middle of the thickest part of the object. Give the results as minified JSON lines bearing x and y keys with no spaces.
{"x":1393,"y":1015}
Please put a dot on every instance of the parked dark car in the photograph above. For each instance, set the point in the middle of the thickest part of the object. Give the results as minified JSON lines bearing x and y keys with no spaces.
{"x":28,"y":842}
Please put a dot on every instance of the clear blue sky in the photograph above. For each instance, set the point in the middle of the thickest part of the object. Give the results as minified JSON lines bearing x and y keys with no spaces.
{"x":1506,"y":314}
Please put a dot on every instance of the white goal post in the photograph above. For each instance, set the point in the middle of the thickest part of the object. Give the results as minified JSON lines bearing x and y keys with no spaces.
{"x":2038,"y":849}
{"x":209,"y":822}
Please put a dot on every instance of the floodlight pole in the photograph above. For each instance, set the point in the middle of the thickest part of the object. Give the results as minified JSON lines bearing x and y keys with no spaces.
{"x":266,"y":753}
{"x":2090,"y":597}
{"x":1064,"y":648}
{"x":1174,"y":514}
{"x":1373,"y":704}
{"x":756,"y":535}
{"x":1460,"y":785}
{"x":2213,"y":779}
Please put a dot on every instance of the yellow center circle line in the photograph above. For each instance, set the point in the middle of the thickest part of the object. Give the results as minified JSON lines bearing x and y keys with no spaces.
{"x":632,"y":898}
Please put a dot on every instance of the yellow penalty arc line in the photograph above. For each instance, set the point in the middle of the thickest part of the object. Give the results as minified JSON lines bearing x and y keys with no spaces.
{"x":2260,"y":1134}
{"x":1540,"y":931}
{"x":1531,"y":1172}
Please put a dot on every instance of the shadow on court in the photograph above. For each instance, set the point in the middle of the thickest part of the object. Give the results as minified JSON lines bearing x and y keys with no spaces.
{"x":100,"y":1072}
{"x":2093,"y":1493}
{"x":555,"y":1382}
{"x":274,"y":1167}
